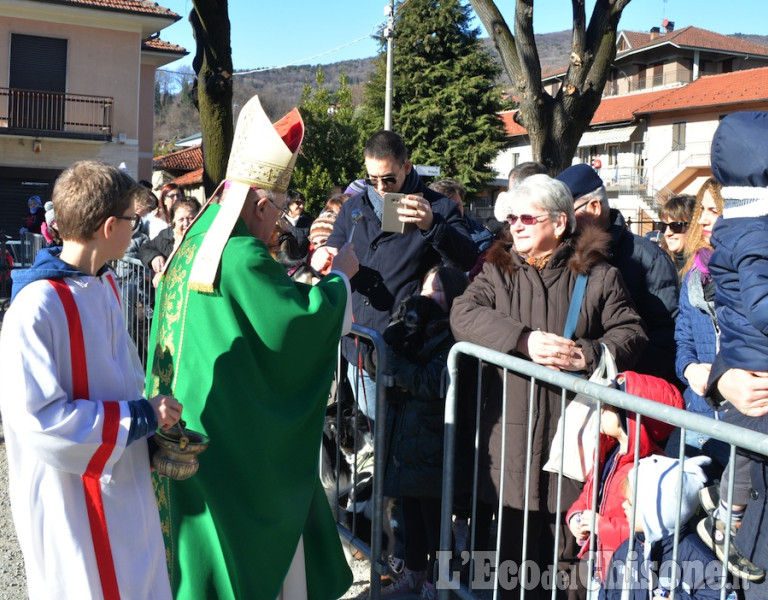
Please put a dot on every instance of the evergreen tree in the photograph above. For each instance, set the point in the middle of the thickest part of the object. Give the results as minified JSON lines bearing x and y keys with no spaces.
{"x":445,"y":102}
{"x":330,"y":154}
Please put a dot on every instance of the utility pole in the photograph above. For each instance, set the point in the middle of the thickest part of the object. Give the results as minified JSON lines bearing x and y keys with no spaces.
{"x":389,"y":33}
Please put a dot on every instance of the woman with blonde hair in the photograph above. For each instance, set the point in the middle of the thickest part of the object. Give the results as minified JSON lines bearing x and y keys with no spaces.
{"x":696,"y":329}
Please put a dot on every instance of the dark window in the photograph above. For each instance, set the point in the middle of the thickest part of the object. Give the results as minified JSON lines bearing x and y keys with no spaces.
{"x":678,"y":136}
{"x":38,"y":79}
{"x":641,"y":72}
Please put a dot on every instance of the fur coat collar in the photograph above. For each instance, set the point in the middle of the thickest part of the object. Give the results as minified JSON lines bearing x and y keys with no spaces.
{"x":579,"y":253}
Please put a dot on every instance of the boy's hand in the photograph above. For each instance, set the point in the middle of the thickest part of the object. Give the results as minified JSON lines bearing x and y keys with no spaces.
{"x":167,"y":410}
{"x":322,"y":259}
{"x":576,"y":528}
{"x":586,"y":521}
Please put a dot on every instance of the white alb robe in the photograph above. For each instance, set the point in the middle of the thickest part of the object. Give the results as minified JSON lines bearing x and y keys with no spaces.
{"x":53,"y":439}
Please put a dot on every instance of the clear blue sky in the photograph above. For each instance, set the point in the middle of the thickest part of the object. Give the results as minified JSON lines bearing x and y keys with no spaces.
{"x":282,"y":32}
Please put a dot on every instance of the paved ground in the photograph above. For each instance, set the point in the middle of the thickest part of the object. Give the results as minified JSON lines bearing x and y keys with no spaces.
{"x":13,"y":583}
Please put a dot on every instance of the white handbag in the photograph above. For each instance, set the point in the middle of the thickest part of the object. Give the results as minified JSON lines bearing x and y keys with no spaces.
{"x":578,"y":425}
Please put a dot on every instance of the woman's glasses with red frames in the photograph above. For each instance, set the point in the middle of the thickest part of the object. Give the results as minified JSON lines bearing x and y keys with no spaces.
{"x":525,"y":219}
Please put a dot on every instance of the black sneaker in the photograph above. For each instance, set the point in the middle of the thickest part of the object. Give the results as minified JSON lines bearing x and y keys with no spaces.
{"x":710,"y":498}
{"x":712,"y":533}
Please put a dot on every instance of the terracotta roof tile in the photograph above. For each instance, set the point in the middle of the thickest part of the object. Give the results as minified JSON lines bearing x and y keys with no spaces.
{"x":636,"y":38}
{"x":714,"y":90}
{"x":512,"y":128}
{"x":689,"y":37}
{"x":188,"y":159}
{"x":694,"y":37}
{"x":615,"y":109}
{"x":190,"y":179}
{"x":155,"y":43}
{"x":144,"y":7}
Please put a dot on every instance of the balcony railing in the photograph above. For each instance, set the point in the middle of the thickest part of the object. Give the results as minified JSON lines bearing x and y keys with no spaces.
{"x":624,"y":84}
{"x":54,"y":114}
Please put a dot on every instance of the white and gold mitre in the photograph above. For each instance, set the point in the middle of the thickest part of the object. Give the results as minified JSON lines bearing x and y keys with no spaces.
{"x":263,"y":156}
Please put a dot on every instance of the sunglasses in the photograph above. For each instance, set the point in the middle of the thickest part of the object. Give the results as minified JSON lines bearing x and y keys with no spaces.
{"x":386,"y":179}
{"x":135,"y":220}
{"x":675,"y":226}
{"x":525,"y":219}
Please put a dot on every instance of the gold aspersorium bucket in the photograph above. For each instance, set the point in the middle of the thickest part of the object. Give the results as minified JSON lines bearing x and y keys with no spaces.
{"x":177,"y":450}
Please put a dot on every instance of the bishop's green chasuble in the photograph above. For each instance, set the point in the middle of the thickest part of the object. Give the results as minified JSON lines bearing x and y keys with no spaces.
{"x":252,"y":364}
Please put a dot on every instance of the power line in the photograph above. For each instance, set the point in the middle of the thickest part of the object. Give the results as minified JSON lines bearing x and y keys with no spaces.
{"x":360,"y":39}
{"x":373,"y":31}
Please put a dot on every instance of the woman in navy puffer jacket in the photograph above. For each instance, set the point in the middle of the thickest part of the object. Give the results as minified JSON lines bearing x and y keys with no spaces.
{"x":696,"y":329}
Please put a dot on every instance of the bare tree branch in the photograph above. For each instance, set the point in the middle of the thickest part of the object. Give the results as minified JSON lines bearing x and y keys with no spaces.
{"x":555,"y":124}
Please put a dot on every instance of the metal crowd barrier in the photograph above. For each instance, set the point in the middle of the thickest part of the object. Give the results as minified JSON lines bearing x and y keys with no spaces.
{"x":31,"y":244}
{"x":448,"y":581}
{"x":356,"y":495}
{"x":134,"y":282}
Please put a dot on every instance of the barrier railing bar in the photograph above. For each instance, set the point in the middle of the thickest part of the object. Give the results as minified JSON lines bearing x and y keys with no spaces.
{"x":642,"y":407}
{"x":750,"y":440}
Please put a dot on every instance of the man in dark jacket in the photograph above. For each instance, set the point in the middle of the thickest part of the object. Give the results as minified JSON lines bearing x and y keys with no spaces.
{"x":647,"y":270}
{"x":392,"y":265}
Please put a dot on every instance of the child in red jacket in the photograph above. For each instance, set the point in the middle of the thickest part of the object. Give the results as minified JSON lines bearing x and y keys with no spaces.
{"x":617,"y":456}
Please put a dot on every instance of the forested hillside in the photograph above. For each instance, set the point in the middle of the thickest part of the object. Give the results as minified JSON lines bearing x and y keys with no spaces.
{"x":280,"y":89}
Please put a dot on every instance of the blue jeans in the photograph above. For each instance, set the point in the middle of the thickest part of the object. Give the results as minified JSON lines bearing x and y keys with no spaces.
{"x":365,"y":392}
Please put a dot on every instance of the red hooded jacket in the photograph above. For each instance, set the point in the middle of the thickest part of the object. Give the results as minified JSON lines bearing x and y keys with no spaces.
{"x":613,"y":528}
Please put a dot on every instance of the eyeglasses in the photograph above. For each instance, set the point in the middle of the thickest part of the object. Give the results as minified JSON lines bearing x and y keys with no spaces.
{"x":283,"y":210}
{"x":386,"y":179}
{"x":525,"y":219}
{"x":135,"y":220}
{"x":578,"y":207}
{"x":675,"y":226}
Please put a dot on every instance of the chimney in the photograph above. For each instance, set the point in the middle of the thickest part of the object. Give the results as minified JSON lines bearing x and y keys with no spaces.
{"x":655,"y":33}
{"x":667,"y":26}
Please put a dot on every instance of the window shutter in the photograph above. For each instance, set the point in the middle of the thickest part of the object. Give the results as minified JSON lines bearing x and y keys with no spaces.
{"x":38,"y":63}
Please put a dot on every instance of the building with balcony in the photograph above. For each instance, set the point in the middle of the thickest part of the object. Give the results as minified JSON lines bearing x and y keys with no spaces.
{"x":650,"y":136}
{"x":76,"y":82}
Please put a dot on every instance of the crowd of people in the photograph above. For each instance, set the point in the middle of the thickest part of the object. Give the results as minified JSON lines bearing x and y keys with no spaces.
{"x":253,"y":297}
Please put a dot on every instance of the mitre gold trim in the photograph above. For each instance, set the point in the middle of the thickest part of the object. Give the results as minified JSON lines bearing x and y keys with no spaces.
{"x":263,"y":156}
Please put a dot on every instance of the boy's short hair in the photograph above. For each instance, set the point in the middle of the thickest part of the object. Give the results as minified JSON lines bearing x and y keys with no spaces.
{"x":86,"y":194}
{"x":449,"y":187}
{"x":146,"y":200}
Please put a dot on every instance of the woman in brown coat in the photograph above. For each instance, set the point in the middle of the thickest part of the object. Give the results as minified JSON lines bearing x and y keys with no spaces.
{"x":518,"y":305}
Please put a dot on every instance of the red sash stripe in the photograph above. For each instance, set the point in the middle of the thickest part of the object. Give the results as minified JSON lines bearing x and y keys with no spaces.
{"x":114,"y":288}
{"x":91,"y":479}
